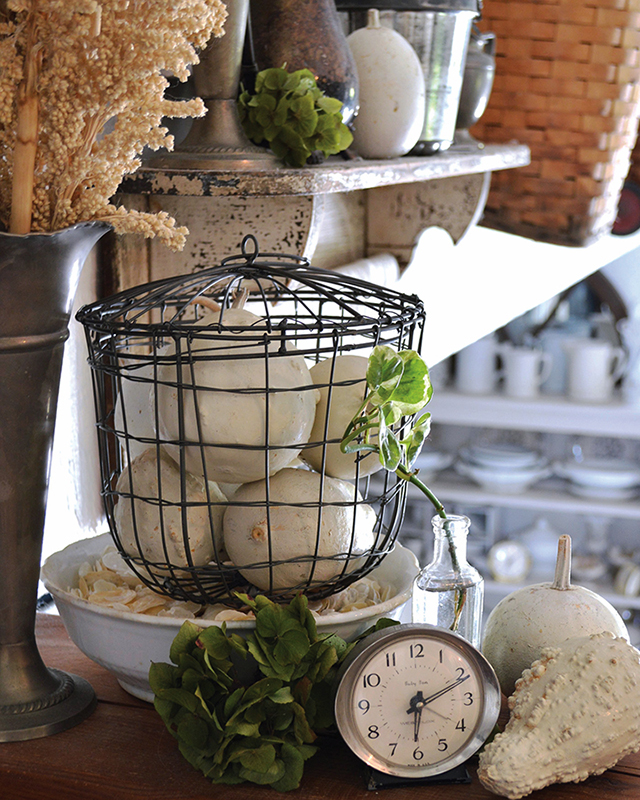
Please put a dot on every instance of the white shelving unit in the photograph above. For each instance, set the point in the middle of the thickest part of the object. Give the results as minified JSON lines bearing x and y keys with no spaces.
{"x":545,"y":414}
{"x":547,"y":496}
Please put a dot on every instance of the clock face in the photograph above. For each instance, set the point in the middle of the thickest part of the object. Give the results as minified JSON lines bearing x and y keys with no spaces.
{"x":416,"y":700}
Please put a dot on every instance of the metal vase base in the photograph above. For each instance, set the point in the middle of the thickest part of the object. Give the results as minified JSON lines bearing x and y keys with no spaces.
{"x":70,"y":701}
{"x":216,"y":141}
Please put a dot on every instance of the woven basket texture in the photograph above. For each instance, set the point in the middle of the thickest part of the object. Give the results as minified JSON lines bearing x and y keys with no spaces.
{"x":568,"y":85}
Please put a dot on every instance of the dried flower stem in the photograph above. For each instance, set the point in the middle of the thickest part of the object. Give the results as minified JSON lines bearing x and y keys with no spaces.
{"x":24,"y":158}
{"x":82,"y":94}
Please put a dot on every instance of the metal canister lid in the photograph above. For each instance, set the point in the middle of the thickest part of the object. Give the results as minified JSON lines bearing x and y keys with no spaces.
{"x":410,"y":5}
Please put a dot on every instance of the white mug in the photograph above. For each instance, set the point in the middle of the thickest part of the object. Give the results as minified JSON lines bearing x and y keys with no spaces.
{"x":593,"y":367}
{"x":552,"y":340}
{"x":477,"y":367}
{"x":524,"y":369}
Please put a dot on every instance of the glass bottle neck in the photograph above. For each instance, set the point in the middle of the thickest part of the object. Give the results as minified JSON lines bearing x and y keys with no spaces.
{"x":452,"y":530}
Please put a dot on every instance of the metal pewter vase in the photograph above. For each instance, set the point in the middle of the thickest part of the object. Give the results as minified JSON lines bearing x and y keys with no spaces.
{"x":39,"y":274}
{"x":217,"y":140}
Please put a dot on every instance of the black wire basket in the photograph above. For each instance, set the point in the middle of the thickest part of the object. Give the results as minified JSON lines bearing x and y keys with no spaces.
{"x":221,"y":398}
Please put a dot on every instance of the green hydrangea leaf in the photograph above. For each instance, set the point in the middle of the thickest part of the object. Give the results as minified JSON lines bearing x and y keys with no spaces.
{"x":233,"y":701}
{"x":301,"y":728}
{"x":298,"y":608}
{"x":290,"y":147}
{"x":274,"y":79}
{"x":161,"y":676}
{"x":260,"y":759}
{"x":242,"y":727}
{"x":293,"y":761}
{"x":304,"y":117}
{"x":281,"y":718}
{"x":282,"y":695}
{"x":194,"y":732}
{"x":330,"y":105}
{"x":215,"y":643}
{"x":345,"y":137}
{"x":291,"y":642}
{"x":182,"y":698}
{"x":184,"y":640}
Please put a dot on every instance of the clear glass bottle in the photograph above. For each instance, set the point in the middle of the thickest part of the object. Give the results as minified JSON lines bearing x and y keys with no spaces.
{"x":449,"y":592}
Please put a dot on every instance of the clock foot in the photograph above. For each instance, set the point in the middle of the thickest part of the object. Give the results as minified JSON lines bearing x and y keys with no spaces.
{"x":380,"y":780}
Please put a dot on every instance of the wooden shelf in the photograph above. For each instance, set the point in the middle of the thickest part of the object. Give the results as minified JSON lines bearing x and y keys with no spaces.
{"x":335,"y":175}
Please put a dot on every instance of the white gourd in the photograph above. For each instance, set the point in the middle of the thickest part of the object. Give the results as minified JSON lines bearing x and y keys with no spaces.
{"x":574,"y":713}
{"x":205,"y":509}
{"x":231,"y":413}
{"x":391,"y":91}
{"x":291,"y":525}
{"x":543,"y":614}
{"x":347,"y":376}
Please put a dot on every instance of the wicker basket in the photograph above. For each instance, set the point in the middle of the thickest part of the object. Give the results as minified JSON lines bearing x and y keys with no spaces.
{"x":567,"y":84}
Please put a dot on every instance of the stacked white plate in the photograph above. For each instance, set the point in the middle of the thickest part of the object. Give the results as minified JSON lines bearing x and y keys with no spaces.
{"x":502,"y":468}
{"x":601,"y":478}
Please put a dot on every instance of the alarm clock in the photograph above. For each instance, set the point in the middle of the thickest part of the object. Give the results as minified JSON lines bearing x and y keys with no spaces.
{"x":415,"y":700}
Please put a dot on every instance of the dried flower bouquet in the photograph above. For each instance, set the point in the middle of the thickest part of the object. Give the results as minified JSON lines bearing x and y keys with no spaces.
{"x":81,"y":95}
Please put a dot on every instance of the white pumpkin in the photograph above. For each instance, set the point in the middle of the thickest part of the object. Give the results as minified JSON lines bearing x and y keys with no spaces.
{"x":346,"y":373}
{"x":391,"y":84}
{"x":147,"y":517}
{"x":543,"y":615}
{"x":292,"y":526}
{"x":225,"y":402}
{"x":134,"y":409}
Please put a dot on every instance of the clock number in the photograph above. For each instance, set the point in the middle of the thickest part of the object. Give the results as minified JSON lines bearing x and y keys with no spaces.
{"x":442,"y":745}
{"x":393,"y":746}
{"x":418,"y":754}
{"x":363,"y":705}
{"x":461,"y":726}
{"x":371,"y":680}
{"x":468,"y":701}
{"x":373,"y":732}
{"x":416,"y":650}
{"x":441,"y":656}
{"x":460,"y":672}
{"x":391,"y":659}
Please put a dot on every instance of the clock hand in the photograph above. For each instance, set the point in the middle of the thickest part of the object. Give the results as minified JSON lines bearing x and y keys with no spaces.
{"x":416,"y":705}
{"x":445,"y":689}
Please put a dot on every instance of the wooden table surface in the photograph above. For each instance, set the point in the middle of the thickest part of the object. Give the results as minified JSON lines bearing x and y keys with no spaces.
{"x":124,"y":752}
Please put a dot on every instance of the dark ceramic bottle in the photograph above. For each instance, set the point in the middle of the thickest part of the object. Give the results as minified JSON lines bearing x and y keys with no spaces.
{"x":306,"y":34}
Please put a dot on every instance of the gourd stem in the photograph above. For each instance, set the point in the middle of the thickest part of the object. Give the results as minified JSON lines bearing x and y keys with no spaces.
{"x":562,"y":578}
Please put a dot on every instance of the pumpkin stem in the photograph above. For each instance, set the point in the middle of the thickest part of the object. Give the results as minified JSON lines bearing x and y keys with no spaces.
{"x":562,"y":578}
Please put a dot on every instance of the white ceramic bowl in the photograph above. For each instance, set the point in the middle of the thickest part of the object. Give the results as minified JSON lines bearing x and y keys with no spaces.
{"x":126,"y":643}
{"x":500,"y":455}
{"x":503,"y":480}
{"x":602,"y":473}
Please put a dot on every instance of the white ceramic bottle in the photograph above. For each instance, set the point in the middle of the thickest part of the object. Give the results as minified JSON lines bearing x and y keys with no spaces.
{"x":392,"y":93}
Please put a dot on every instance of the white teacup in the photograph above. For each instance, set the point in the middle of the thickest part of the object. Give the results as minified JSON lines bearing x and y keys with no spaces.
{"x":477,"y":367}
{"x":524,"y":370}
{"x":593,"y":367}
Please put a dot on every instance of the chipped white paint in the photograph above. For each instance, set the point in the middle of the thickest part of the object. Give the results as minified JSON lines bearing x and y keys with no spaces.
{"x":217,"y":226}
{"x":397,"y":215}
